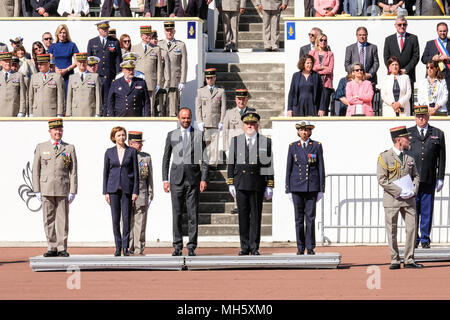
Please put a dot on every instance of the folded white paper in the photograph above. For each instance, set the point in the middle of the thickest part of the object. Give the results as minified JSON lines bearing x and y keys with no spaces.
{"x":405,"y":183}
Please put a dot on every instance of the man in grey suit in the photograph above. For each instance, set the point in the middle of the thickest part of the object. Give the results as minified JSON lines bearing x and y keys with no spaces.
{"x":188,"y":177}
{"x":358,"y":8}
{"x":231,"y":10}
{"x":365,"y":53}
{"x":55,"y":183}
{"x":394,"y":164}
{"x":313,"y":34}
{"x":271,"y":11}
{"x":13,"y":92}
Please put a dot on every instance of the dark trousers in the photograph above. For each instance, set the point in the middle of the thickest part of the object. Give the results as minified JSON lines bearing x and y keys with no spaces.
{"x":121,"y":205}
{"x":424,"y":208}
{"x":185,"y":193}
{"x":161,"y":12}
{"x":105,"y":83}
{"x":309,"y":5}
{"x":411,"y":99}
{"x":250,"y":212}
{"x":326,"y":99}
{"x":305,"y":209}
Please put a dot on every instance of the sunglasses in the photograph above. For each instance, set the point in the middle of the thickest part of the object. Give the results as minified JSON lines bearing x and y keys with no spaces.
{"x":323,"y":40}
{"x":127,"y":41}
{"x":402,"y":24}
{"x":358,"y":70}
{"x":430,"y":68}
{"x":48,"y":39}
{"x":311,"y":34}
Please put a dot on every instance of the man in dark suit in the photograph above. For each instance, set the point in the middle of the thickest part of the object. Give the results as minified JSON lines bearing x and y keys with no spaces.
{"x":108,"y":50}
{"x":186,"y":8}
{"x":427,"y":147}
{"x":128,"y":96}
{"x":44,"y":8}
{"x":158,"y":8}
{"x":305,"y":184}
{"x":313,"y":34}
{"x":365,"y":53}
{"x":439,"y":50}
{"x":110,"y":7}
{"x":250,"y":179}
{"x":188,"y":177}
{"x":405,"y":47}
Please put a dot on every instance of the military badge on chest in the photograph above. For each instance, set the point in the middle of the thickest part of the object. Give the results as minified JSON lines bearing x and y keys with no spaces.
{"x":67,"y":161}
{"x":143,"y":168}
{"x":312,"y":158}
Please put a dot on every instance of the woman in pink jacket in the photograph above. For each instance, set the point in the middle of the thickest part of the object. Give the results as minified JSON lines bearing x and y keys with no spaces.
{"x":359,"y":93}
{"x":324,"y":65}
{"x":326,"y":8}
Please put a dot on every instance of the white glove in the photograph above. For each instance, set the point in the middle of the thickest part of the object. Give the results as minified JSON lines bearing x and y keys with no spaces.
{"x":20,"y":115}
{"x":59,"y":115}
{"x":157,"y":89}
{"x":180,"y":87}
{"x":319,"y":196}
{"x":268,"y":193}
{"x":406,"y":194}
{"x":97,"y":116}
{"x":439,"y":185}
{"x":220,"y":126}
{"x":200,"y":126}
{"x":290,"y":197}
{"x":38,"y":196}
{"x":71,"y":197}
{"x":232,"y":190}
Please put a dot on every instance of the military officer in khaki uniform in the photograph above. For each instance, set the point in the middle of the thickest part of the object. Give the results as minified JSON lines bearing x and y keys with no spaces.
{"x":12,"y":89}
{"x":150,"y":63}
{"x":84,"y":96}
{"x":176,"y":56}
{"x":92,"y":64}
{"x":139,"y":217}
{"x":160,"y":96}
{"x":231,"y":11}
{"x":271,"y":12}
{"x":394,"y":164}
{"x":210,"y":108}
{"x":46,"y":91}
{"x":55,"y":185}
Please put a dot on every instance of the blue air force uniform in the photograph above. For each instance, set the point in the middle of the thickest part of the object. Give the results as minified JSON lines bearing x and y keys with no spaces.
{"x":305,"y":178}
{"x":128,"y":100}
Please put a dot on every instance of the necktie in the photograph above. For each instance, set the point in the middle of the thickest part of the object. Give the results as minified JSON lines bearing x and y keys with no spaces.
{"x":400,"y":156}
{"x":55,"y":146}
{"x":242,"y":111}
{"x":401,"y":42}
{"x":185,"y":139}
{"x":304,"y":145}
{"x":145,"y":49}
{"x":45,"y":77}
{"x":6,"y":76}
{"x":211,"y":89}
{"x":169,"y":44}
{"x":249,"y":142}
{"x":82,"y":77}
{"x":361,"y":55}
{"x":129,"y":82}
{"x":422,"y":136}
{"x":103,"y":42}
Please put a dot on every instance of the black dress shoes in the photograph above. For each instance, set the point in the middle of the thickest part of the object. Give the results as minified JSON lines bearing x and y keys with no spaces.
{"x":255,"y":253}
{"x":126,"y":253}
{"x":301,"y":252}
{"x":413,"y":265}
{"x":177,"y":252}
{"x":243,"y":253}
{"x":63,"y":253}
{"x":426,"y":245}
{"x":311,"y":251}
{"x":191,"y":252}
{"x":394,"y":266}
{"x":117,"y":252}
{"x":51,"y":253}
{"x":234,"y":211}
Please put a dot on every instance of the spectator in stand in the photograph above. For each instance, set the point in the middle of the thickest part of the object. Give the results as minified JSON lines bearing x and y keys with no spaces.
{"x":44,"y":8}
{"x":312,"y":41}
{"x":27,"y":10}
{"x":73,"y":8}
{"x":159,"y":8}
{"x":359,"y":93}
{"x":390,"y":7}
{"x":63,"y":52}
{"x":358,"y":8}
{"x":395,"y":91}
{"x":47,"y":40}
{"x":432,"y":91}
{"x":36,"y":48}
{"x":125,"y":43}
{"x":340,"y":95}
{"x":306,"y":90}
{"x":27,"y":66}
{"x":18,"y":41}
{"x":326,"y":8}
{"x":10,"y":8}
{"x":432,"y":8}
{"x":94,"y":4}
{"x":324,"y":65}
{"x":190,"y":10}
{"x":110,"y":7}
{"x":309,"y":5}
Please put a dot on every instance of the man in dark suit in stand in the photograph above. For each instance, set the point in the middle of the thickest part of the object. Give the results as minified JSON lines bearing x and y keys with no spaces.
{"x":188,"y":177}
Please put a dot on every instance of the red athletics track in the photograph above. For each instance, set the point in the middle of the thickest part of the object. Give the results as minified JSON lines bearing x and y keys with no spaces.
{"x":18,"y":281}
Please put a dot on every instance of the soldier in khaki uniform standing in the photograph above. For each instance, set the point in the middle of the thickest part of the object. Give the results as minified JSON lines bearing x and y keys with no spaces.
{"x":84,"y":96}
{"x":271,"y":11}
{"x":231,"y":11}
{"x":150,"y":63}
{"x":138,"y":222}
{"x":12,"y":89}
{"x":394,"y":164}
{"x":210,"y":108}
{"x":55,"y":184}
{"x":176,"y":56}
{"x":46,"y":91}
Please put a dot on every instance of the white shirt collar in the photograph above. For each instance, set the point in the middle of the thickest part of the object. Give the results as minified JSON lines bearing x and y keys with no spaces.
{"x":307,"y":141}
{"x":397,"y":152}
{"x":424,"y":129}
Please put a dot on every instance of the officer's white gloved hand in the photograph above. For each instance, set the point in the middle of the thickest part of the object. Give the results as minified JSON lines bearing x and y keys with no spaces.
{"x":180,"y":87}
{"x":220,"y":126}
{"x":200,"y":126}
{"x":439,"y":185}
{"x":148,"y":203}
{"x":59,"y":115}
{"x":157,"y":89}
{"x":232,"y":190}
{"x":38,"y":196}
{"x":20,"y":115}
{"x":71,"y":197}
{"x":319,"y":196}
{"x":406,"y":194}
{"x":268,"y":193}
{"x":290,"y":197}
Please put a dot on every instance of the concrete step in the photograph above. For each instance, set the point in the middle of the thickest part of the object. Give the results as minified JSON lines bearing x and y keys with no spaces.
{"x":253,"y":27}
{"x":220,"y":185}
{"x":215,"y":196}
{"x":250,"y":76}
{"x":256,"y":95}
{"x":253,"y":85}
{"x":226,"y":207}
{"x":249,"y":44}
{"x":246,"y":35}
{"x":248,"y":67}
{"x":218,"y":175}
{"x":228,"y":230}
{"x":227,"y":218}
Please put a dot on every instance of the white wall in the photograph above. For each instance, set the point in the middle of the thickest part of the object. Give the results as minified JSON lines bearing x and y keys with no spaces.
{"x":90,"y":216}
{"x":341,"y":33}
{"x":83,"y":29}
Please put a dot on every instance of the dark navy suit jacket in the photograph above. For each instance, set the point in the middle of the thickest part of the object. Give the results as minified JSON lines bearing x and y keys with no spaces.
{"x":305,"y":170}
{"x":126,"y":175}
{"x":110,"y":56}
{"x":108,"y":10}
{"x":294,"y":91}
{"x":128,"y":101}
{"x":192,"y":8}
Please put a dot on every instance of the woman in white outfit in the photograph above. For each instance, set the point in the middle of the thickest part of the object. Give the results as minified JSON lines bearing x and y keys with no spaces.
{"x":395,"y":91}
{"x":432,"y":91}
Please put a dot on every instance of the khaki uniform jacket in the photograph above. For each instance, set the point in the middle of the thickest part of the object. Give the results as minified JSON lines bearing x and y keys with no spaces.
{"x":46,"y":98}
{"x":10,"y":8}
{"x":232,"y":125}
{"x":13,"y":94}
{"x":55,"y":174}
{"x":210,"y":107}
{"x":84,"y":98}
{"x":145,"y":179}
{"x":389,"y":169}
{"x":151,"y":65}
{"x":176,"y":57}
{"x":271,"y":4}
{"x":230,"y":5}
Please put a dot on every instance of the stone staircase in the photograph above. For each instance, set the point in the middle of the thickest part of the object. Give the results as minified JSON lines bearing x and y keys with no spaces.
{"x":250,"y":27}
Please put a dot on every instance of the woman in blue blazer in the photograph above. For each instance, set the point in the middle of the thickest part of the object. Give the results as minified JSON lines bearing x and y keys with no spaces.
{"x":121,"y":186}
